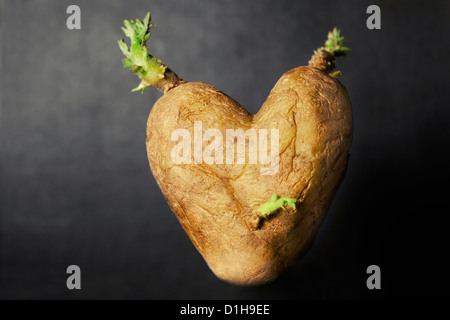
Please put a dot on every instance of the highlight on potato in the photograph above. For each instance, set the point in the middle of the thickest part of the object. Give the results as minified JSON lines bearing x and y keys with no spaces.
{"x":248,"y":226}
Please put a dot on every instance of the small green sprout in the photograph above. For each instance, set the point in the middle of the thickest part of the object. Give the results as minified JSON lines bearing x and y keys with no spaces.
{"x":275,"y":203}
{"x":335,"y":43}
{"x":324,"y":58}
{"x":336,"y":74}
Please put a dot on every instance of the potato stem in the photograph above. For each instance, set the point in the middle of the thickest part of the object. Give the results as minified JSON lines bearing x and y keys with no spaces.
{"x":324,"y":58}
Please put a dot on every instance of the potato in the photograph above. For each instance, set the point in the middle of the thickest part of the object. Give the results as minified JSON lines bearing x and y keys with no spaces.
{"x":219,"y":203}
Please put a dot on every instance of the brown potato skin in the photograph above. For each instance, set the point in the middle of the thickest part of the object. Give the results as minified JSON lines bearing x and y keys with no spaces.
{"x":215,"y":204}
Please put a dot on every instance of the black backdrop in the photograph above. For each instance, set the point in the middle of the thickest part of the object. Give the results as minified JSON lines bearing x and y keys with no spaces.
{"x":75,"y":187}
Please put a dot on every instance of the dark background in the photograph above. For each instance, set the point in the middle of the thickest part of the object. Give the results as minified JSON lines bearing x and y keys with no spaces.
{"x":75,"y":186}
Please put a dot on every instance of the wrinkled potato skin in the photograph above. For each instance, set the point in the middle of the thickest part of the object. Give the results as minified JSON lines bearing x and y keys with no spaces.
{"x":216,"y":203}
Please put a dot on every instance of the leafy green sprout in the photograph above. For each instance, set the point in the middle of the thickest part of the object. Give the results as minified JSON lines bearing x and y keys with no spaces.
{"x":335,"y":43}
{"x":148,"y":68}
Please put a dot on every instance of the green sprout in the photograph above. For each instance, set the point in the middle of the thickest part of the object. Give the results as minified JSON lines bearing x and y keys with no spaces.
{"x":335,"y":43}
{"x":149,"y":69}
{"x":276,"y":203}
{"x":324,"y":58}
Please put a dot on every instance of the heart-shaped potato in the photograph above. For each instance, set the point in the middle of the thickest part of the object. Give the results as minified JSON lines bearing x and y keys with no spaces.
{"x":218,"y":202}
